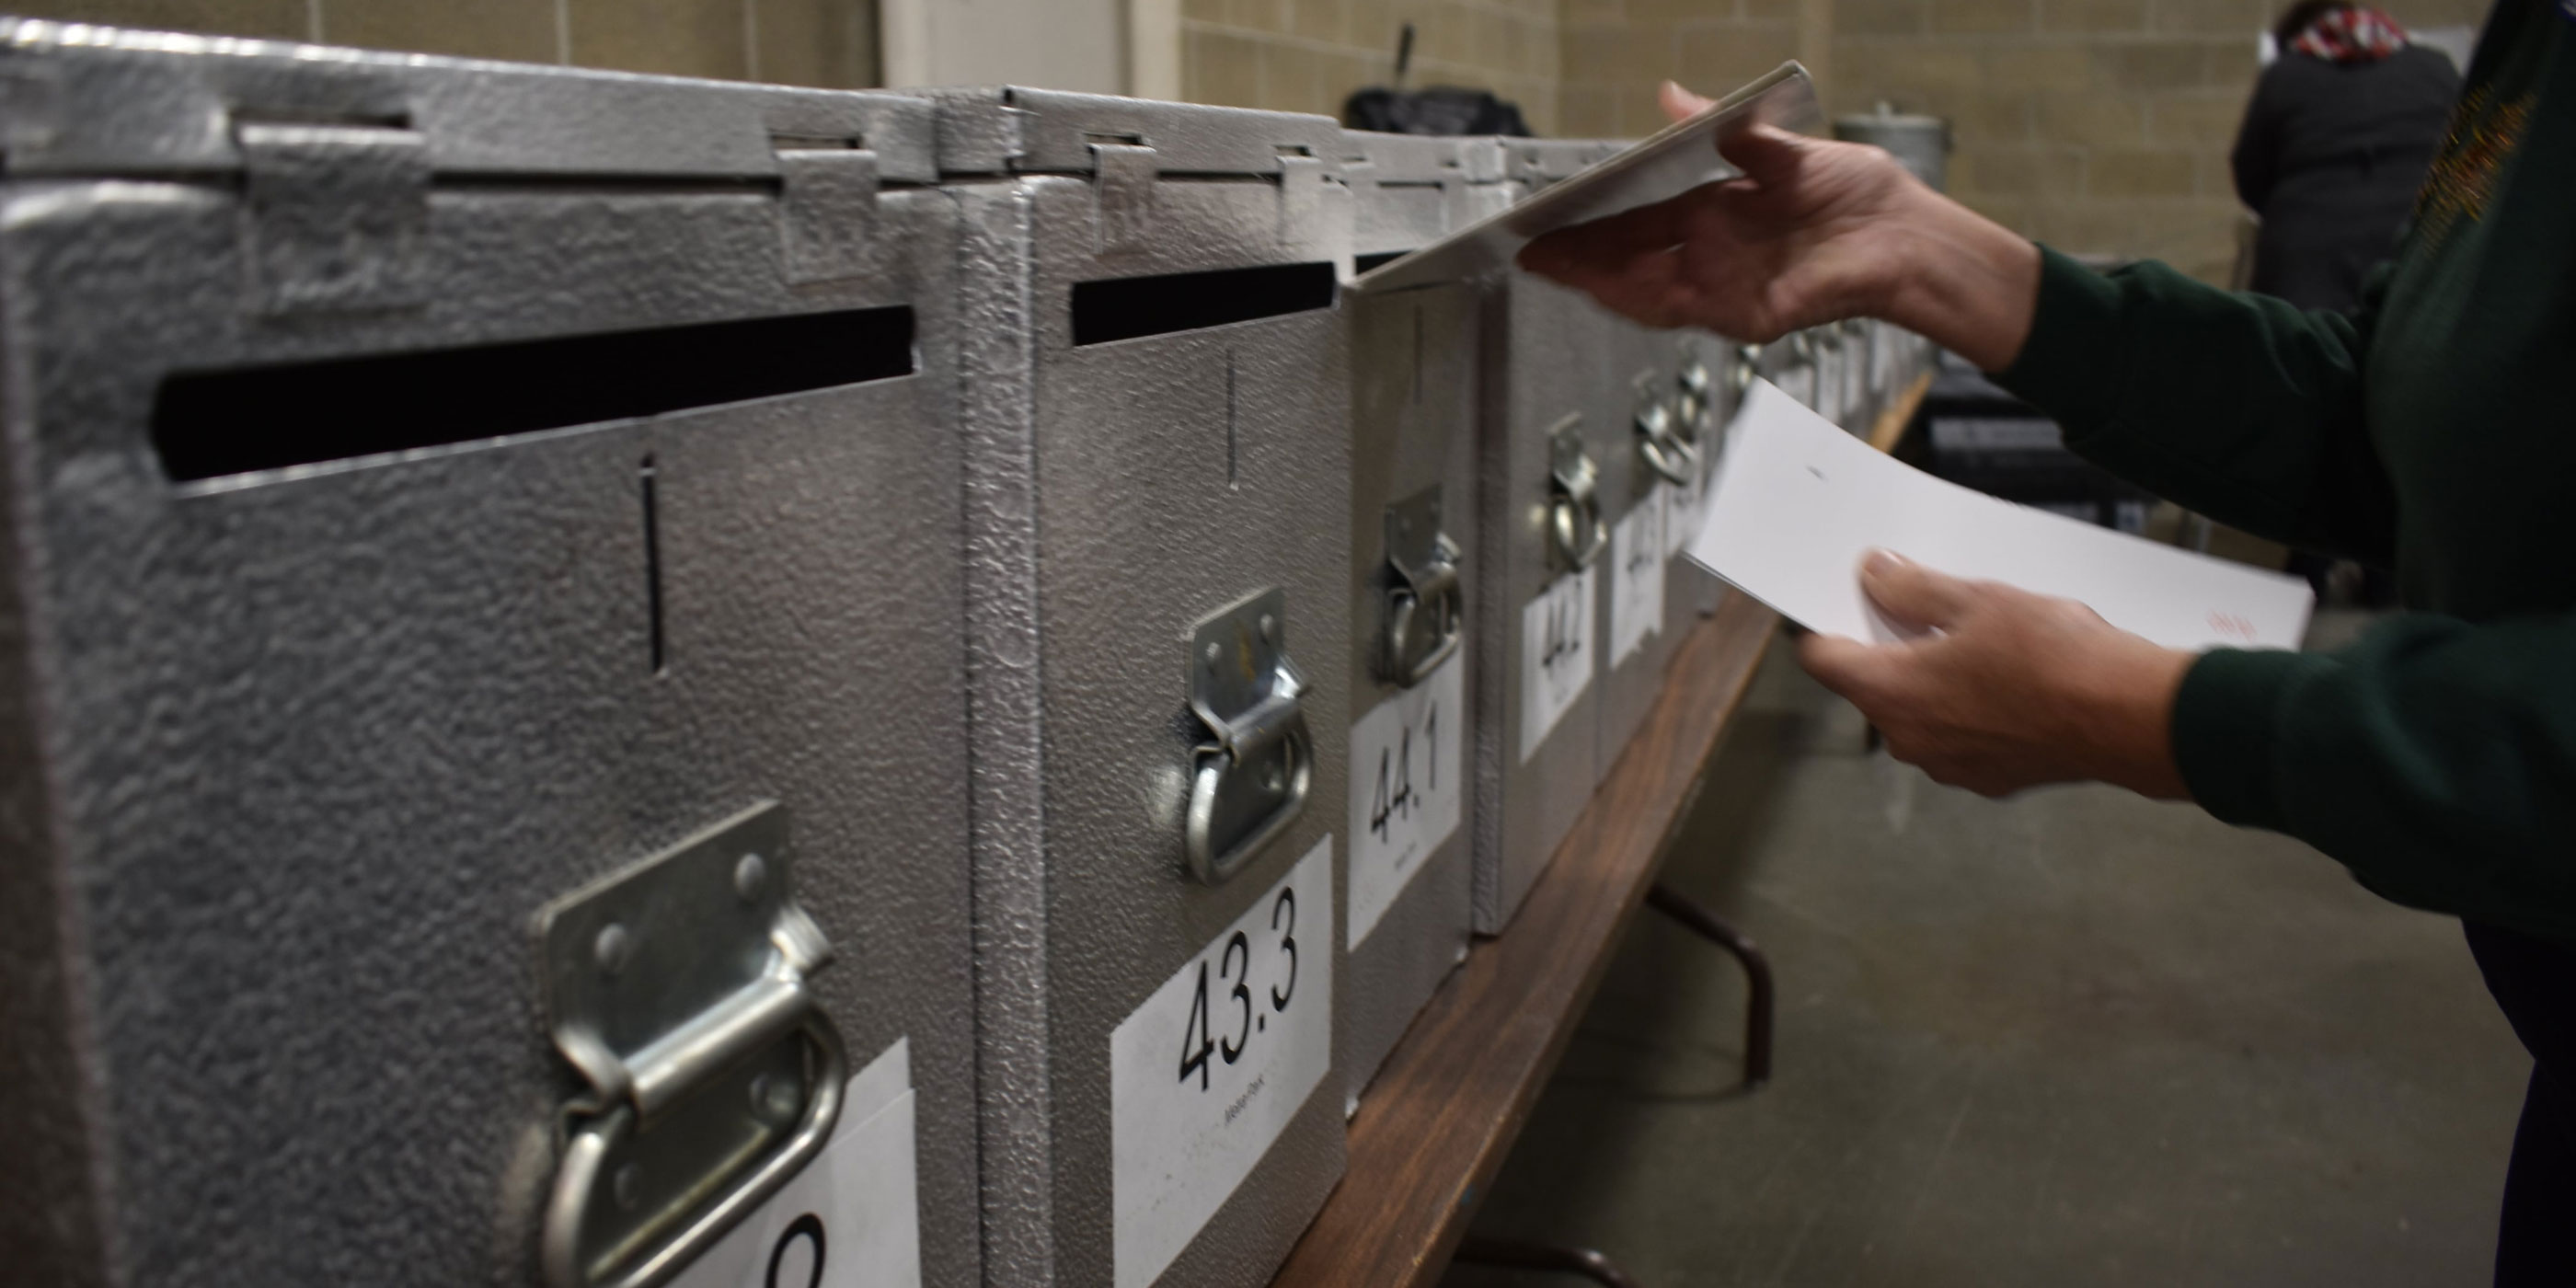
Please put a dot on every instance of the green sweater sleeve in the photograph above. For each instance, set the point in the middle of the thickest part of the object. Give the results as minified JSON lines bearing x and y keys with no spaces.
{"x":2435,"y":758}
{"x":2240,"y":407}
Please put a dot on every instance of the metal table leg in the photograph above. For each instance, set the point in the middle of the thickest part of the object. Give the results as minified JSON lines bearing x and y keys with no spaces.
{"x":1516,"y":1255}
{"x":1757,"y":970}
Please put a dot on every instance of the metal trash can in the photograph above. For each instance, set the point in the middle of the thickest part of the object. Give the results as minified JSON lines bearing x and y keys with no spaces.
{"x":1413,"y":518}
{"x":1541,"y":530}
{"x":481,"y":633}
{"x":1158,"y":501}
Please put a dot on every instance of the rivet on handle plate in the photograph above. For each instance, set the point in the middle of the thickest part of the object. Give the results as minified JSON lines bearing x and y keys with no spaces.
{"x":678,"y":988}
{"x":1423,"y":605}
{"x":1255,"y":770}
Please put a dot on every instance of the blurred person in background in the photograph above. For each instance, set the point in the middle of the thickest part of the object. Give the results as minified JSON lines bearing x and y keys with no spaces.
{"x":2425,"y":429}
{"x":2341,"y":129}
{"x":2342,"y":126}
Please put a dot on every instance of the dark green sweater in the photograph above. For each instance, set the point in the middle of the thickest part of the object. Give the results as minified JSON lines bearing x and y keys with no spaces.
{"x":2434,"y":430}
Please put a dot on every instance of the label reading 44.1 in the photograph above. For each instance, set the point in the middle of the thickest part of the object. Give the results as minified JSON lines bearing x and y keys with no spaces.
{"x":1556,"y":655}
{"x":1405,"y":790}
{"x":1207,"y":1072}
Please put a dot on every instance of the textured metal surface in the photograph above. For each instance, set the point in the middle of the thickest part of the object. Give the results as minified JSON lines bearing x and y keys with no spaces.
{"x":145,"y":102}
{"x":1543,"y":353}
{"x":1639,"y":375}
{"x":1116,"y":494}
{"x":315,"y":744}
{"x":1691,"y":592}
{"x":1017,"y":130}
{"x":1414,"y":394}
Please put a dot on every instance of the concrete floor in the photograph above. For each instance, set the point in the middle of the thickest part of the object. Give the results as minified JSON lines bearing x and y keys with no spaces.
{"x":2075,"y":1038}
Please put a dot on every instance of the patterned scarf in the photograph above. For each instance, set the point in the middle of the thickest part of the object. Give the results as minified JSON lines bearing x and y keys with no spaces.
{"x":2351,"y":36}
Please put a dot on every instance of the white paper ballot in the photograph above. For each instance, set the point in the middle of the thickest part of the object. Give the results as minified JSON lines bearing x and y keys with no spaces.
{"x":1797,"y":502}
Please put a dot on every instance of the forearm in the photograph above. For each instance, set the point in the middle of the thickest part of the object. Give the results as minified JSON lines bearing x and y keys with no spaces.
{"x":2239,"y":406}
{"x":2435,"y":758}
{"x":1964,"y":281}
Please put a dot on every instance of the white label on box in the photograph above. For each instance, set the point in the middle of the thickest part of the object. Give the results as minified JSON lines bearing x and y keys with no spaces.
{"x":1205,"y":1074}
{"x":1556,"y":655}
{"x":1637,"y":577}
{"x":1681,"y":505}
{"x":850,"y":1219}
{"x":1406,"y":784}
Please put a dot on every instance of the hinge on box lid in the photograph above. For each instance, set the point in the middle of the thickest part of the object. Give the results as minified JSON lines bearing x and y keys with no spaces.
{"x":1122,"y":179}
{"x":678,"y":988}
{"x":1423,"y":615}
{"x":337,"y":214}
{"x":1305,"y":183}
{"x":827,"y":206}
{"x":1255,"y":770}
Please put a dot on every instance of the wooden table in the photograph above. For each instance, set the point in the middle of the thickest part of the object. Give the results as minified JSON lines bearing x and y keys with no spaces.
{"x":1444,"y":1111}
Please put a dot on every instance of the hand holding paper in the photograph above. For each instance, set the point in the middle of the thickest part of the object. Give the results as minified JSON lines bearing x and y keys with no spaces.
{"x":1797,"y":503}
{"x":2000,"y":677}
{"x":2005,"y":689}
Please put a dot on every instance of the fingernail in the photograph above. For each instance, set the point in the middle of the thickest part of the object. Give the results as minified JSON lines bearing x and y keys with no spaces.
{"x":1879,"y":563}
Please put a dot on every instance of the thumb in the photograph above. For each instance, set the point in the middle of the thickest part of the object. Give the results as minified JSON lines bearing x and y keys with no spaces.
{"x":1912,"y":594}
{"x":1680,"y":104}
{"x":1765,"y":153}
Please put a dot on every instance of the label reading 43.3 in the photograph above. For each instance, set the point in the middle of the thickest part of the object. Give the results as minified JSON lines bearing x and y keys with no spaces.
{"x":1205,"y":1074}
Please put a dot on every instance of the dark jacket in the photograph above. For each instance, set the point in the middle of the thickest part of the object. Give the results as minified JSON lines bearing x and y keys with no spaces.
{"x":2330,"y":156}
{"x":2430,"y":428}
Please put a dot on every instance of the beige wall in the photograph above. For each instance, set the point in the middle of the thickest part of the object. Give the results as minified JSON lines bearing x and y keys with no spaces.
{"x":2094,"y":125}
{"x":2099,"y":126}
{"x":1308,"y":55}
{"x":802,"y":42}
{"x":1618,"y":51}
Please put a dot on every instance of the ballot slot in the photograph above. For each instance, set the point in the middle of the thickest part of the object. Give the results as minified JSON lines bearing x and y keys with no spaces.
{"x":1131,"y":308}
{"x":212,"y":424}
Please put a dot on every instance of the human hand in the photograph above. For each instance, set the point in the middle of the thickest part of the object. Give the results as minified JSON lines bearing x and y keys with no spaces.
{"x":2007,"y":689}
{"x":1812,"y":232}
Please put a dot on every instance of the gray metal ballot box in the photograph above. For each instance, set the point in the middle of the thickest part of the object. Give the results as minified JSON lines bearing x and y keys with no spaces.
{"x":1710,"y":376}
{"x":1158,"y":494}
{"x":1406,"y":901}
{"x":1647,"y":458}
{"x":1542,"y":527}
{"x":483,"y":707}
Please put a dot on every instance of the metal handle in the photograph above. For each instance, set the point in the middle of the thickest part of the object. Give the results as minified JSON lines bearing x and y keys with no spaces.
{"x":1567,"y":516}
{"x":580,"y":1183}
{"x":1745,"y":370}
{"x":1287,"y":730}
{"x":1402,"y":609}
{"x":1692,"y":402}
{"x":1662,"y":450}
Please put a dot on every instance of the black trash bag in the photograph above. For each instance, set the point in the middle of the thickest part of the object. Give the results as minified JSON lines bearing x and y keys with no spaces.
{"x":1441,"y":109}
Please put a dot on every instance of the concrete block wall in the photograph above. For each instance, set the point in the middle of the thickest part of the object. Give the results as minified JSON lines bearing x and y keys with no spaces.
{"x":797,"y":42}
{"x":1308,"y":55}
{"x":2099,"y":126}
{"x":2096,"y":126}
{"x":1618,"y":51}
